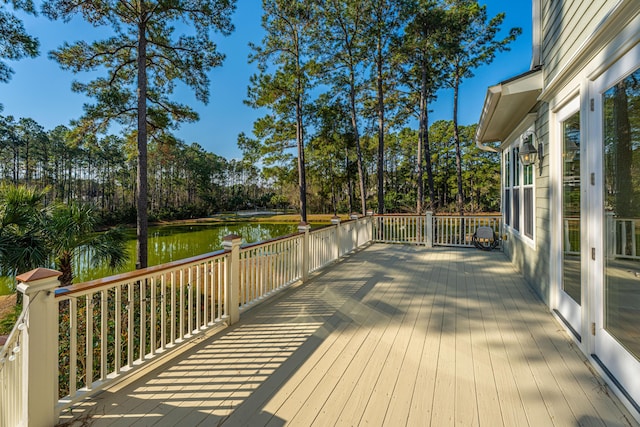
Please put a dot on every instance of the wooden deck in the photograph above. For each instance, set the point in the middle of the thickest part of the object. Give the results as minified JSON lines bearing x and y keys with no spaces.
{"x":394,"y":335}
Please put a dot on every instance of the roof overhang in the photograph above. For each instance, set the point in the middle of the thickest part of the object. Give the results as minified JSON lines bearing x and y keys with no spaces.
{"x":506,"y":105}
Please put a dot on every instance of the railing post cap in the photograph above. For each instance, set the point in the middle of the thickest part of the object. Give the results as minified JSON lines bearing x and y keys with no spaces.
{"x":303,"y":226}
{"x":38,"y":279}
{"x":369,"y":212}
{"x":231,"y":240}
{"x":335,"y":219}
{"x":354,"y":215}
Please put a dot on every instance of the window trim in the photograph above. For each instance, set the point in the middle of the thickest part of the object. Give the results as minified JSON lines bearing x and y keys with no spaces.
{"x":516,"y":223}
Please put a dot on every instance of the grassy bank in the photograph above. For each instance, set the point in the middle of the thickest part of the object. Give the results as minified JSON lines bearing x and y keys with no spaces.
{"x":266,"y":218}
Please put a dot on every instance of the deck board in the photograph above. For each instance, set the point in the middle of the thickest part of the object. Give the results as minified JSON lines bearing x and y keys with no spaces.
{"x":393,"y":335}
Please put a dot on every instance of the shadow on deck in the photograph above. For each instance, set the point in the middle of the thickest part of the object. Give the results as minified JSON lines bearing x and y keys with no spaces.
{"x":393,"y":335}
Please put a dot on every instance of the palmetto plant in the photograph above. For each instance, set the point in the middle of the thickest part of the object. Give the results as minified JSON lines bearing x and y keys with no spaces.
{"x":22,"y":246}
{"x":34,"y":236}
{"x":70,"y":229}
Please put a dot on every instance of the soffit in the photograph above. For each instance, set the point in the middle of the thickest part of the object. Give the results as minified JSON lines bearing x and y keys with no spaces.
{"x":507,"y":104}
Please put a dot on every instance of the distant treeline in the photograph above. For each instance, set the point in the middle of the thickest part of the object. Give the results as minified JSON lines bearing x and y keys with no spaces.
{"x":186,"y":181}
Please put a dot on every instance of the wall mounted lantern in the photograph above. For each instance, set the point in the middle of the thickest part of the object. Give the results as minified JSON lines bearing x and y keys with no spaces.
{"x":528,"y":153}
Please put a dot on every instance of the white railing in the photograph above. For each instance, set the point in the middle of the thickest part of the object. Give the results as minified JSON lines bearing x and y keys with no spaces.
{"x":11,"y":374}
{"x":458,"y":230}
{"x":108,"y":328}
{"x":268,"y":267}
{"x":400,"y":229}
{"x":323,"y":247}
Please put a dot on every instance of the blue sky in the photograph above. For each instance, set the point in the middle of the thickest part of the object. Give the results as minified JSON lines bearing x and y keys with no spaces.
{"x":41,"y":90}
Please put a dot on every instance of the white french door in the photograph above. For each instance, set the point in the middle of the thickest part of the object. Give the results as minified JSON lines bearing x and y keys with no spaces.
{"x":615,"y":128}
{"x":570,"y":231}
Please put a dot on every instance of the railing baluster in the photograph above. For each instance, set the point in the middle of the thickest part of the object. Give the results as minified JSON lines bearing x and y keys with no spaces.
{"x":172,"y":337}
{"x":88,"y":334}
{"x":198,"y":304}
{"x":152,"y":316}
{"x":104,"y":311}
{"x":163,"y":312}
{"x":130,"y":324}
{"x":118,"y":328}
{"x":73,"y":345}
{"x":221,"y":285}
{"x":143,"y":318}
{"x":190,"y":303}
{"x":205,"y":288}
{"x":181,"y":311}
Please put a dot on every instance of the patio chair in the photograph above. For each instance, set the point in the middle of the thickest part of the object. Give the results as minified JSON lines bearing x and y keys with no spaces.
{"x":485,"y":238}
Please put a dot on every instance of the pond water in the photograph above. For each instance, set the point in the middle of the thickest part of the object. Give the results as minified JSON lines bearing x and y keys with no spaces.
{"x":174,"y":242}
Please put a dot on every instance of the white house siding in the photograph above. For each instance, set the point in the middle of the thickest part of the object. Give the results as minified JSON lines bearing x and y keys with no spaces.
{"x":540,"y":279}
{"x":533,"y":260}
{"x":566,"y":25}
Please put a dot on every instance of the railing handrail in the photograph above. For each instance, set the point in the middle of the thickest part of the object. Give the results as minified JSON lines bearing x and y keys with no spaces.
{"x":13,"y":337}
{"x":254,"y":245}
{"x":129,"y":276}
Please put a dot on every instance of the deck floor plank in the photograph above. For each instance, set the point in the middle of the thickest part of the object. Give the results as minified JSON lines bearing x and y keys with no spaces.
{"x":397,"y":411}
{"x":422,"y":395}
{"x":444,"y":411}
{"x":406,"y":313}
{"x":510,"y":405}
{"x":393,"y":335}
{"x":516,"y":337}
{"x":314,"y":379}
{"x":486,"y":391}
{"x":329,"y":334}
{"x":351,"y":393}
{"x":320,"y":384}
{"x":585,"y":392}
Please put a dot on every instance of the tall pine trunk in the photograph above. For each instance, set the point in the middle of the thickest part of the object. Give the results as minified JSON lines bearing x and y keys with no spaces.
{"x":301,"y":164}
{"x":380,"y":130}
{"x":427,"y":155}
{"x":141,"y":178}
{"x":421,"y":133}
{"x":356,"y":136}
{"x":349,"y":184}
{"x":456,"y":139}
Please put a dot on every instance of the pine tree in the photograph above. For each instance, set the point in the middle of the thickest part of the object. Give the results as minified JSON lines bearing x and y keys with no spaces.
{"x":143,"y":60}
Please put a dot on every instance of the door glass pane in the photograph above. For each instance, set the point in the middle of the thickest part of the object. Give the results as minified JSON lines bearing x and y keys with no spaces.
{"x":571,"y":282}
{"x":621,"y":109}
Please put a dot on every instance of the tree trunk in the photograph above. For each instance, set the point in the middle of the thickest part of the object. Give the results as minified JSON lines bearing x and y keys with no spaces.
{"x":334,"y":197}
{"x":356,"y":136}
{"x":456,"y":139}
{"x":380,"y":131}
{"x":301,"y":166}
{"x":349,"y":185}
{"x":141,"y":179}
{"x":427,"y":154}
{"x":66,"y":279}
{"x":421,"y":137}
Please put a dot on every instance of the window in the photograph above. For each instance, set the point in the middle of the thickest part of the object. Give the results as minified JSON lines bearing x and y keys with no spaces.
{"x":507,"y":188}
{"x":527,"y":201}
{"x":516,"y":188}
{"x":519,"y":191}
